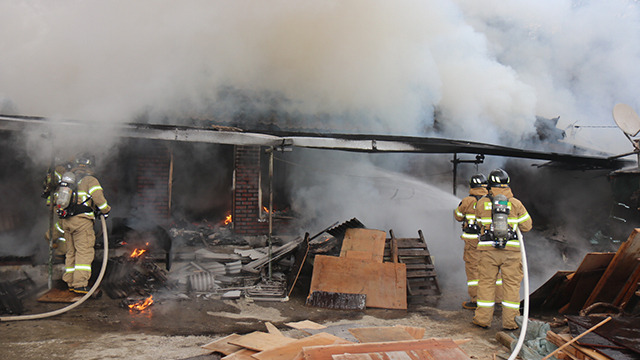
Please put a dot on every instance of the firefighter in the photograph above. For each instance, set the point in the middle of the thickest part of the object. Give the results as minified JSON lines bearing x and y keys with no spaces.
{"x":50,"y":186}
{"x":465,"y":213}
{"x":78,"y":218}
{"x":499,"y":215}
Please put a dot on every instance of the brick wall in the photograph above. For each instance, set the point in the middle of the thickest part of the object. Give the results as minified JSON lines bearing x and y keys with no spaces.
{"x":152,"y":182}
{"x":245,"y":212}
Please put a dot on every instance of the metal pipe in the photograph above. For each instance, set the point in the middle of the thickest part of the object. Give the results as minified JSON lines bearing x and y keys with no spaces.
{"x":270,"y":206}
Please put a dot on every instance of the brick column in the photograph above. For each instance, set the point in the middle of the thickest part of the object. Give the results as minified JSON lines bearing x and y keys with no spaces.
{"x":246,"y":192}
{"x":152,"y":182}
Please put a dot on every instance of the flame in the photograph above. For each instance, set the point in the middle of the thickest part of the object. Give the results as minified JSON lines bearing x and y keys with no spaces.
{"x":265,"y":209}
{"x":227,"y":220}
{"x":137,"y":252}
{"x":142,"y":304}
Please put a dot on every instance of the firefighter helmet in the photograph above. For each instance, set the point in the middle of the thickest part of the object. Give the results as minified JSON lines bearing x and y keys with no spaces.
{"x":498,"y":178}
{"x":478,"y":180}
{"x":84,"y":160}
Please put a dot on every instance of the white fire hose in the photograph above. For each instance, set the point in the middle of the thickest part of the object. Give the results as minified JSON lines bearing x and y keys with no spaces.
{"x":525,"y":316}
{"x":81,"y":300}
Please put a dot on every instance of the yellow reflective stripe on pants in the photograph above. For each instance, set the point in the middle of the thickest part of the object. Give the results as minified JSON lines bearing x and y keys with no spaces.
{"x":83,"y":267}
{"x":482,"y":303}
{"x":69,"y":270}
{"x":472,"y":283}
{"x":510,"y":305}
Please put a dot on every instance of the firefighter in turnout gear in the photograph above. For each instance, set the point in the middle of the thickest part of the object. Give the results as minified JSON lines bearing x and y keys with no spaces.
{"x":500,"y":214}
{"x":49,"y":192}
{"x":466,"y":213}
{"x":86,"y":201}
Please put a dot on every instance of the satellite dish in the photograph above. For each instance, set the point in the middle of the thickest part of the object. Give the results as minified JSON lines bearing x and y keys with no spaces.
{"x":627,"y":119}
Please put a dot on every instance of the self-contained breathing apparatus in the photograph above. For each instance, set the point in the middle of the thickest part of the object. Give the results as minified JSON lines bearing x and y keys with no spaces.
{"x":500,"y":232}
{"x":67,"y":197}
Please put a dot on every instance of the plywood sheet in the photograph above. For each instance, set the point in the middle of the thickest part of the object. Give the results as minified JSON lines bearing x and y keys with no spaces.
{"x":380,"y":334}
{"x":414,"y":331}
{"x":389,"y":355}
{"x":290,"y":350}
{"x":244,"y":354}
{"x":622,"y":266}
{"x":260,"y":341}
{"x":222,"y":345}
{"x":435,"y":349}
{"x":364,"y":244}
{"x":385,"y":284}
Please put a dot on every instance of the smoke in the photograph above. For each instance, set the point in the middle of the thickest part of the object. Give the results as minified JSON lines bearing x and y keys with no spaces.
{"x":469,"y":70}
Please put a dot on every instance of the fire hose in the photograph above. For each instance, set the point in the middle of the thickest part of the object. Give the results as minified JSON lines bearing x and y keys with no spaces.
{"x":525,"y":315}
{"x":82,"y":299}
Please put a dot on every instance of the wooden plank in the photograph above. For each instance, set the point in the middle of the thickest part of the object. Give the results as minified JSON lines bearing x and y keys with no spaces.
{"x":546,"y":297}
{"x":305,"y":324}
{"x":260,"y":341}
{"x":364,"y":244}
{"x":389,"y":355}
{"x":415,"y":332}
{"x":222,"y":345}
{"x":591,"y":353}
{"x":272,"y":329}
{"x":290,"y":350}
{"x":244,"y":354}
{"x":326,"y":352}
{"x":584,"y":279}
{"x":572,"y":350}
{"x":380,"y":334}
{"x":621,"y":267}
{"x":629,"y":289}
{"x":384,"y":284}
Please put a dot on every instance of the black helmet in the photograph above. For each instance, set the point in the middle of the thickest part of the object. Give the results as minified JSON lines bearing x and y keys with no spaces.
{"x":84,"y":160}
{"x":478,"y":180}
{"x":498,"y":178}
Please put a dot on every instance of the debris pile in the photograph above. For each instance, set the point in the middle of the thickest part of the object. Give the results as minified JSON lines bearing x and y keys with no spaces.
{"x":318,"y":342}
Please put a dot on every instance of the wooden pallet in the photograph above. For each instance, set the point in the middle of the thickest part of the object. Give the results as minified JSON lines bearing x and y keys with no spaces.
{"x":421,"y":272}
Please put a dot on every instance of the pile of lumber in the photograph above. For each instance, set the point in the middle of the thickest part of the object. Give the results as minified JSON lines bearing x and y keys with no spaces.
{"x":335,"y":343}
{"x":601,"y":278}
{"x":598,"y":339}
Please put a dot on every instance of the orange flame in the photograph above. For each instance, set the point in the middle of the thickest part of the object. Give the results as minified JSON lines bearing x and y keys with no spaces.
{"x":137,"y":252}
{"x":227,"y":220}
{"x":142,"y":304}
{"x":265,"y":209}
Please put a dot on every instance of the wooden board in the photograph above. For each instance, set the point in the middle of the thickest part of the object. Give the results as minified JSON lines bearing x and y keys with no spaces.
{"x":380,"y":334}
{"x":59,"y":296}
{"x":385,"y":284}
{"x":622,"y":266}
{"x":222,"y":345}
{"x":363,"y":244}
{"x":260,"y":341}
{"x":437,"y":349}
{"x":305,"y":324}
{"x":391,"y":355}
{"x":244,"y":354}
{"x":272,"y":329}
{"x":547,"y":296}
{"x":584,"y":280}
{"x":301,"y":256}
{"x":415,"y":332}
{"x":290,"y":350}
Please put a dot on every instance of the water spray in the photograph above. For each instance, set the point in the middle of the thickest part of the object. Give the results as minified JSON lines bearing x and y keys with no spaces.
{"x":105,"y":256}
